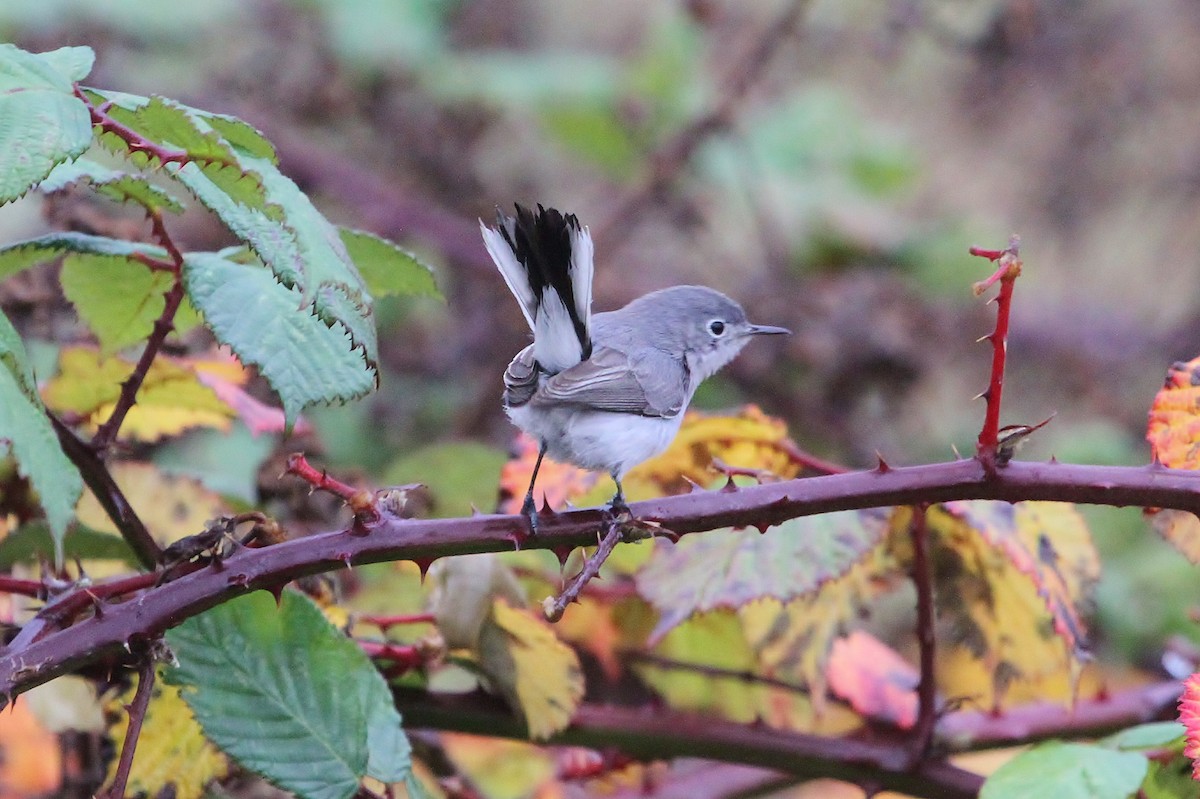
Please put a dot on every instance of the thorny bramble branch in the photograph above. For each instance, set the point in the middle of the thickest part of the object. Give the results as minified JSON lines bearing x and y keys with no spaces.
{"x":922,"y":577}
{"x":137,"y":714}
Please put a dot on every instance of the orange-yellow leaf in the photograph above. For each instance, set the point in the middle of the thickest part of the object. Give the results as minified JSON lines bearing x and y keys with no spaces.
{"x":170,"y":400}
{"x":172,"y":749}
{"x":532,"y":669}
{"x":1174,"y":428}
{"x":557,"y":483}
{"x":874,"y":679}
{"x":32,"y":762}
{"x":1180,"y":528}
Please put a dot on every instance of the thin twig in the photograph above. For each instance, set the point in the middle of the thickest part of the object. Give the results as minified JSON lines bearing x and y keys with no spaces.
{"x":163,"y":325}
{"x":363,"y":503}
{"x":1008,"y":269}
{"x":106,"y":491}
{"x":922,"y":577}
{"x":137,"y":714}
{"x":673,"y":155}
{"x":15,"y":585}
{"x":554,"y":607}
{"x":385,"y":622}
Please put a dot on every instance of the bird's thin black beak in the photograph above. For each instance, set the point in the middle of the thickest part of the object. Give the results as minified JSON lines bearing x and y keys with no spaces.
{"x":769,"y":330}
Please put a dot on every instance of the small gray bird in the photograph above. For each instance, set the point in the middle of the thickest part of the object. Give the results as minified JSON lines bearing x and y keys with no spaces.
{"x":608,"y":391}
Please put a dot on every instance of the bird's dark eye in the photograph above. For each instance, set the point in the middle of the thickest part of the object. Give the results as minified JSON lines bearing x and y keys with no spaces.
{"x":716,"y":327}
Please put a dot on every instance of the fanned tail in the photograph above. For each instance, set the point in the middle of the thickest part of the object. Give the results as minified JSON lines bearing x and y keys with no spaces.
{"x":545,"y":258}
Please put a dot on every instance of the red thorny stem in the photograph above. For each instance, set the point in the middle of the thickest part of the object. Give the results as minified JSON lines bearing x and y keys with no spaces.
{"x":1008,"y":269}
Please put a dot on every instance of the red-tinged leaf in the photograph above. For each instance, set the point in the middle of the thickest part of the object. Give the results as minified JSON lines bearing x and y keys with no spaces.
{"x":557,"y":483}
{"x":255,"y":414}
{"x":730,"y":568}
{"x":873,"y":678}
{"x":1174,"y":428}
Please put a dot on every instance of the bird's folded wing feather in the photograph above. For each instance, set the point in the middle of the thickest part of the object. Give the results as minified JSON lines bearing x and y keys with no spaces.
{"x":651,"y":384}
{"x":521,"y":379}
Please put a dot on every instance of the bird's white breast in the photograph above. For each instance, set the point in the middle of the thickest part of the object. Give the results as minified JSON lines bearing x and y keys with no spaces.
{"x":597,"y":440}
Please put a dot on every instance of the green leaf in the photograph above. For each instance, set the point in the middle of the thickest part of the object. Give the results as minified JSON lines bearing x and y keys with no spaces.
{"x":461,"y":475}
{"x":118,"y":298}
{"x":730,"y":568}
{"x":386,"y":268}
{"x":389,"y":755}
{"x":179,"y":127}
{"x":24,"y":254}
{"x":39,"y":128}
{"x":74,"y":63}
{"x":32,"y":543}
{"x":266,"y":324}
{"x":1157,"y":735}
{"x":21,"y":70}
{"x":120,"y":186}
{"x":242,"y":135}
{"x":26,"y":432}
{"x":287,"y":695}
{"x":1056,"y":770}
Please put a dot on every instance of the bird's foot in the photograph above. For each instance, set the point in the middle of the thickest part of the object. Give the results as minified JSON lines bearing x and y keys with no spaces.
{"x":618,"y":510}
{"x":529,"y":511}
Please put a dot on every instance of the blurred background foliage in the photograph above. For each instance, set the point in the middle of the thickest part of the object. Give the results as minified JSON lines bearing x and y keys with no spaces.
{"x":828,"y":164}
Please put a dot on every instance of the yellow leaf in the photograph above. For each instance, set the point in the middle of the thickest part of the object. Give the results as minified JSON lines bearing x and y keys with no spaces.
{"x":170,"y":507}
{"x":792,"y":640}
{"x":171,"y":399}
{"x":716,"y":641}
{"x":1011,"y":580}
{"x":501,"y":769}
{"x":172,"y":749}
{"x":534,"y":671}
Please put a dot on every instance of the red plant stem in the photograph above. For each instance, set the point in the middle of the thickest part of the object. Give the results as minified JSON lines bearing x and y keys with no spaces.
{"x":15,"y":585}
{"x":386,"y":622}
{"x":108,"y":494}
{"x":163,"y":325}
{"x":405,"y":657}
{"x":1007,"y":273}
{"x":922,"y":577}
{"x":809,"y":461}
{"x":137,"y":714}
{"x":132,"y":139}
{"x":161,"y":607}
{"x":299,"y":466}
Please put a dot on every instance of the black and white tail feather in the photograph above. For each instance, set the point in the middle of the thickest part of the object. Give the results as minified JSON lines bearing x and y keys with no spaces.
{"x":546,"y":260}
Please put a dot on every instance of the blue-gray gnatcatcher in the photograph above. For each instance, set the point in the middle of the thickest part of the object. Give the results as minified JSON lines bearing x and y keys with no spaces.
{"x":606,"y":391}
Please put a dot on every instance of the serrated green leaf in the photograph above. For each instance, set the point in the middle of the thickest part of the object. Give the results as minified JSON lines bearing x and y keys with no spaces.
{"x":21,"y":70}
{"x":120,"y":186}
{"x":730,"y":568}
{"x":24,"y":254}
{"x":26,"y":432}
{"x":274,"y":688}
{"x":386,"y":268}
{"x":266,"y":324}
{"x":39,"y":128}
{"x":1056,"y":770}
{"x":74,"y":63}
{"x":14,"y":358}
{"x":32,"y":543}
{"x":305,"y":252}
{"x":243,"y":136}
{"x":118,"y":298}
{"x":180,"y":127}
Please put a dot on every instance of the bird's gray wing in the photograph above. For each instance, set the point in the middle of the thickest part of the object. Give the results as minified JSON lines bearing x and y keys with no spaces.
{"x":649,"y":384}
{"x":521,"y":379}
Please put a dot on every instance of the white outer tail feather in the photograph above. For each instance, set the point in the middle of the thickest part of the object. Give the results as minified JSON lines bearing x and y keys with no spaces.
{"x":556,"y":345}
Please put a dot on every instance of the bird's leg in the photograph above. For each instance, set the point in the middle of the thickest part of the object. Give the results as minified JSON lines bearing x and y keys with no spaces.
{"x":529,"y":506}
{"x":617,"y":506}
